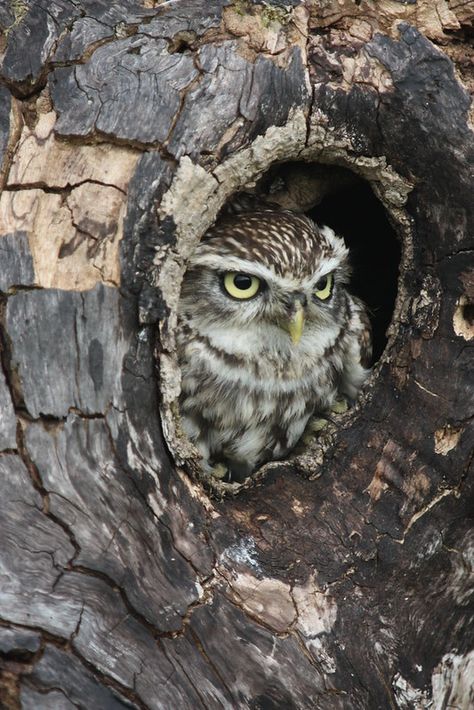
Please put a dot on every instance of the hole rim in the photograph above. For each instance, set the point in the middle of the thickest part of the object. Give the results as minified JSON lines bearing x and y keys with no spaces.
{"x":236,"y":175}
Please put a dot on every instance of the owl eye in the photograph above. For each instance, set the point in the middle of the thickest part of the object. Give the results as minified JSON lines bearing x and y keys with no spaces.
{"x":323,"y":288}
{"x":240,"y":285}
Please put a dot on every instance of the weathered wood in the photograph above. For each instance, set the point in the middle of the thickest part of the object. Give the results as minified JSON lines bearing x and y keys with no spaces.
{"x":67,"y":333}
{"x":7,"y":417}
{"x":17,"y":264}
{"x":341,"y":578}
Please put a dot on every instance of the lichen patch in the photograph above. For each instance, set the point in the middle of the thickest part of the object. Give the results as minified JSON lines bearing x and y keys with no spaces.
{"x":446,"y":439}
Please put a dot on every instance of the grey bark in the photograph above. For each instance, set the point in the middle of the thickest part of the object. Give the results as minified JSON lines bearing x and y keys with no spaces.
{"x":122,"y":583}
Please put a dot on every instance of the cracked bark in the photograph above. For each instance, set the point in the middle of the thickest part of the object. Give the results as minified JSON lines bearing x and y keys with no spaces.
{"x":344,"y":578}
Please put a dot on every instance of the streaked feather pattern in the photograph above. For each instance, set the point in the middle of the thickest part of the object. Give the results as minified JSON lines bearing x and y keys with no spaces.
{"x":247,"y":389}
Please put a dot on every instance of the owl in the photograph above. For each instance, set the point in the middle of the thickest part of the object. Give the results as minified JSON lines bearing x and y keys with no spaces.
{"x":268,"y":335}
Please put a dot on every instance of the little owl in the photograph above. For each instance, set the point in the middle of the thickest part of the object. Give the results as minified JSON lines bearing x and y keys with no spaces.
{"x":268,"y":336}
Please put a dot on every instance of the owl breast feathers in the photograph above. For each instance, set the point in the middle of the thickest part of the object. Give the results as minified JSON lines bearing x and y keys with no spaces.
{"x":268,"y":335}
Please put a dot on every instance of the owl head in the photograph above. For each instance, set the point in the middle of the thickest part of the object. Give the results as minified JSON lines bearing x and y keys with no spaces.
{"x":272,"y":269}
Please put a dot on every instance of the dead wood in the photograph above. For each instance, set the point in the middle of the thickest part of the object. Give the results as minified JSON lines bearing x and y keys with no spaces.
{"x":341,"y":578}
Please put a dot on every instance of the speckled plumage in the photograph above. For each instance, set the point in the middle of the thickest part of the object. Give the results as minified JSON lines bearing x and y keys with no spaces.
{"x":247,"y":389}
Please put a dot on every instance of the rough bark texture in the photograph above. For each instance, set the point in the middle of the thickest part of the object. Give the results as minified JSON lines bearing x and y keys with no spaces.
{"x":342,"y":578}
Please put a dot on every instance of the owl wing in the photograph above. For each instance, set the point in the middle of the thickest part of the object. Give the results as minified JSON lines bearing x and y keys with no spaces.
{"x":358,"y":350}
{"x":364,"y":334}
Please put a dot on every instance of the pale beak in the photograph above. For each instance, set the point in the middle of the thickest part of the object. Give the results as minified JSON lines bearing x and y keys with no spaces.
{"x":296,"y":323}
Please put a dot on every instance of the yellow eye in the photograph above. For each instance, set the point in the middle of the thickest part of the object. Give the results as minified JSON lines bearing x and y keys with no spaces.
{"x":323,"y":288}
{"x":240,"y":285}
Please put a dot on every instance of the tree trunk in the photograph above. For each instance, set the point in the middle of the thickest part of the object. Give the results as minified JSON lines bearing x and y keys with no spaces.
{"x":341,"y":578}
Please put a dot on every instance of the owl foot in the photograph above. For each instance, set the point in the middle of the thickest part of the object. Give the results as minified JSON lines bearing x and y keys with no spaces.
{"x":314,"y":426}
{"x":219,"y":471}
{"x":340,"y":406}
{"x":317,"y":424}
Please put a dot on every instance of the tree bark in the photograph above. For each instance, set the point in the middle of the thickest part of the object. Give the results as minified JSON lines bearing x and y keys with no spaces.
{"x":341,"y":578}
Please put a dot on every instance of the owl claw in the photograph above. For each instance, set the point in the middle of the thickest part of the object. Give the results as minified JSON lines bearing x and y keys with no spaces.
{"x":340,"y":406}
{"x":314,"y":426}
{"x":317,"y":424}
{"x":219,"y":471}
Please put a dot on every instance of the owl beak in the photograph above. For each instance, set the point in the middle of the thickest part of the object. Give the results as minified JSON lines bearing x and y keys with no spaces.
{"x":296,"y":322}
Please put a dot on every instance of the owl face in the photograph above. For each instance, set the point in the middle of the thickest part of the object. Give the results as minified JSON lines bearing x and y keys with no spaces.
{"x":272,"y":270}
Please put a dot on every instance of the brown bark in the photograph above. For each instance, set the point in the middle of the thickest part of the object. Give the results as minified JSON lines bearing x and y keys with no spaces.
{"x":341,"y":578}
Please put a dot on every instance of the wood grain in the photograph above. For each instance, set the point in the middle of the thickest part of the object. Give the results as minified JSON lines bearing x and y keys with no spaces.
{"x":341,"y":578}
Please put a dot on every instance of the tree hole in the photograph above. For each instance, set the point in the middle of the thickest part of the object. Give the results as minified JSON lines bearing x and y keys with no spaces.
{"x":331,"y":196}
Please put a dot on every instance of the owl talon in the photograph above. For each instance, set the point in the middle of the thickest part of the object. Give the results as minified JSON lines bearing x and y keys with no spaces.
{"x":219,"y":471}
{"x":340,"y":406}
{"x":314,"y":427}
{"x":317,"y":424}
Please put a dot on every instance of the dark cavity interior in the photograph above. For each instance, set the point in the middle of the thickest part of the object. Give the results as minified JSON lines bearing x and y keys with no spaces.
{"x":357,"y":215}
{"x":346,"y":202}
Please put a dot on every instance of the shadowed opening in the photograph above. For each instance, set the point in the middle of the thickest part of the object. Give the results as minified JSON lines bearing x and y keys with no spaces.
{"x":347,"y":204}
{"x":329,"y":195}
{"x":356,"y":214}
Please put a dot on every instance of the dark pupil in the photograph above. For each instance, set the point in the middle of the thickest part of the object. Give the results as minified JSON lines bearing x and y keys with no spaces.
{"x":242,"y":281}
{"x":322,"y":283}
